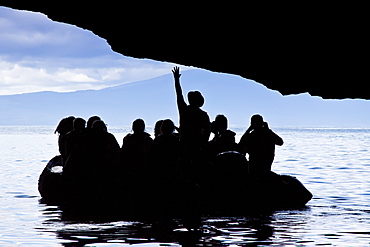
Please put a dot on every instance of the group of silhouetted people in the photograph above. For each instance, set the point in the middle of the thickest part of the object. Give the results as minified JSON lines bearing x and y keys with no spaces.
{"x":171,"y":150}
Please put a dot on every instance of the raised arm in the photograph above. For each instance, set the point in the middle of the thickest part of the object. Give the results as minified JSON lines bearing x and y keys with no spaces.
{"x":180,"y":97}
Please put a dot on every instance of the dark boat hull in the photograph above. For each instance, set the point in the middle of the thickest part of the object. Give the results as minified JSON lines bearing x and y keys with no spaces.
{"x":227,"y":189}
{"x":50,"y":184}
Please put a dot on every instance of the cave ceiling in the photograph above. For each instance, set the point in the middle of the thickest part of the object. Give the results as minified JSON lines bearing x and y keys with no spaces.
{"x":296,"y":48}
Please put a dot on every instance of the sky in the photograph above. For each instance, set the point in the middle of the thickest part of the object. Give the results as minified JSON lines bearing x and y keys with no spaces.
{"x":38,"y":54}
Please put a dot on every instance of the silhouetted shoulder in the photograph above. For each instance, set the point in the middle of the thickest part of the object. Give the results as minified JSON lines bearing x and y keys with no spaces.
{"x":128,"y":136}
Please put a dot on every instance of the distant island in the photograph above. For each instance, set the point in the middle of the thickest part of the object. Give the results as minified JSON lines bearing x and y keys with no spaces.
{"x":154,"y":99}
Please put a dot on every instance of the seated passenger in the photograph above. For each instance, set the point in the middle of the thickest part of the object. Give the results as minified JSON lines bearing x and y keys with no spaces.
{"x":72,"y":142}
{"x":157,"y":128}
{"x":165,"y":151}
{"x":224,"y":139}
{"x":93,"y":147}
{"x":91,"y":121}
{"x":65,"y":125}
{"x":259,"y":142}
{"x":92,"y":166}
{"x":105,"y":141}
{"x":136,"y":147}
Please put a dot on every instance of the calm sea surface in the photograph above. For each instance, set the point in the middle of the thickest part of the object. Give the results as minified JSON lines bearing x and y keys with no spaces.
{"x":334,"y":164}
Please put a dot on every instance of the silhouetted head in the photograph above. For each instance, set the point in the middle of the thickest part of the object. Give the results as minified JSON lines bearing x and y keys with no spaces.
{"x":257,"y":121}
{"x":79,"y":124}
{"x":157,"y":128}
{"x":65,"y":125}
{"x":91,"y":121}
{"x":138,"y":126}
{"x":195,"y":98}
{"x":167,"y":126}
{"x":99,"y":125}
{"x":221,"y":121}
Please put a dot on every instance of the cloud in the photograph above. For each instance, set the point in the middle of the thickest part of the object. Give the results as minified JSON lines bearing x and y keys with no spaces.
{"x":25,"y":33}
{"x":37,"y":54}
{"x":19,"y":77}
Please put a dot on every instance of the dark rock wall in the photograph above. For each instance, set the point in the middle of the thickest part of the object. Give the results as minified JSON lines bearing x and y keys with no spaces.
{"x":295,"y":48}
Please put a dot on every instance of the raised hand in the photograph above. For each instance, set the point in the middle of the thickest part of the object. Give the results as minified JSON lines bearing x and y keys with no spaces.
{"x":176,"y":72}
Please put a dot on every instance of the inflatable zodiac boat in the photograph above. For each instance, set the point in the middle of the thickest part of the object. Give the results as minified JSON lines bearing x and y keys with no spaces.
{"x":223,"y":187}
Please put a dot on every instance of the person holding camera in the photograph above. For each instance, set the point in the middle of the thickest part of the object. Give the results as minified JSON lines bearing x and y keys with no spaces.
{"x":259,"y":142}
{"x":224,"y":139}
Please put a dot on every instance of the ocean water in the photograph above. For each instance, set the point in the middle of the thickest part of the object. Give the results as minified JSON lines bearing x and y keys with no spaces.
{"x":334,"y":164}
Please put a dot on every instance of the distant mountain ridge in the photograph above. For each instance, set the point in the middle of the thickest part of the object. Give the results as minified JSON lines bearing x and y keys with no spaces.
{"x":155,"y":99}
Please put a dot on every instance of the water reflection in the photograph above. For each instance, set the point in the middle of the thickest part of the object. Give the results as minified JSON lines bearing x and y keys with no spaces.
{"x":80,"y":233}
{"x":212,"y":231}
{"x":306,"y":226}
{"x":241,"y":231}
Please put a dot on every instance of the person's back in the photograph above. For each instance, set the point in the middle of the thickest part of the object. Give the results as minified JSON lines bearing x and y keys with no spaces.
{"x":165,"y":150}
{"x":157,"y":128}
{"x":136,"y":143}
{"x":194,"y":125}
{"x":72,"y":138}
{"x":88,"y":143}
{"x":105,"y":142}
{"x":64,"y":127}
{"x":96,"y":147}
{"x":259,"y":142}
{"x":136,"y":147}
{"x":260,"y":145}
{"x":91,"y":168}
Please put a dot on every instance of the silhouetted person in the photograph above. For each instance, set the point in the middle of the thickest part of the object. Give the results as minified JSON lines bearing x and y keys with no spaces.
{"x":94,"y":148}
{"x":157,"y":128}
{"x":105,"y":141}
{"x":194,"y":122}
{"x":95,"y":142}
{"x":259,"y":142}
{"x":72,"y":137}
{"x":90,"y":170}
{"x":224,"y":139}
{"x":165,"y":151}
{"x":65,"y":125}
{"x":91,"y":120}
{"x":136,"y":147}
{"x":99,"y":126}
